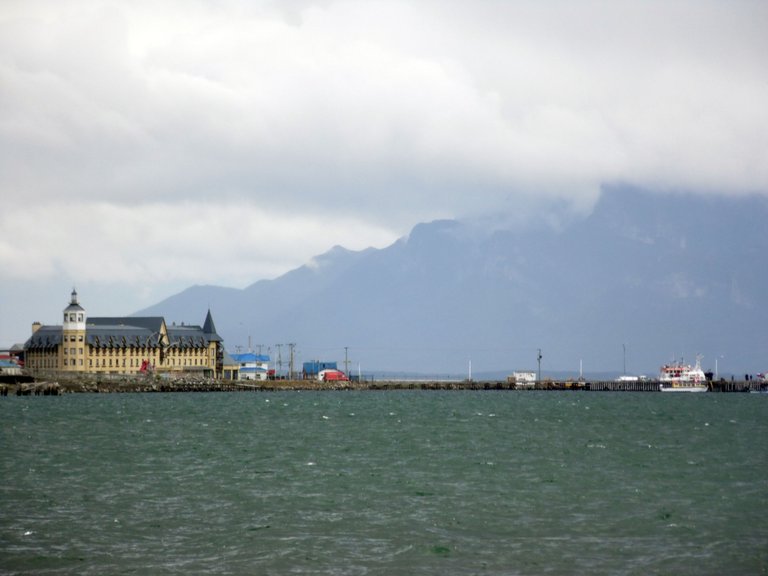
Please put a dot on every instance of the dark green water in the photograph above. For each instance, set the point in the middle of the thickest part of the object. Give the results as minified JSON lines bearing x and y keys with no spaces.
{"x":384,"y":483}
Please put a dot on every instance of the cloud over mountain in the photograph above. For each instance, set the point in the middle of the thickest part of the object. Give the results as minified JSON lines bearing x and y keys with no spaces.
{"x":149,"y":136}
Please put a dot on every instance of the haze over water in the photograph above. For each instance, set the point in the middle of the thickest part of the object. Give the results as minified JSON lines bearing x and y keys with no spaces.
{"x":408,"y":482}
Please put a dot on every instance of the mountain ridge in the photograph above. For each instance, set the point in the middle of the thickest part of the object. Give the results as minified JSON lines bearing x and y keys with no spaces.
{"x":641,"y":280}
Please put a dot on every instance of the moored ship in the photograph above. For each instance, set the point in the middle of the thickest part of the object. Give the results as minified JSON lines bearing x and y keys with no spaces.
{"x":679,"y":377}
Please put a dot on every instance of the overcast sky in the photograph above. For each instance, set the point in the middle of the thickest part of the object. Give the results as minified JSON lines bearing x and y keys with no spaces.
{"x":146,"y":146}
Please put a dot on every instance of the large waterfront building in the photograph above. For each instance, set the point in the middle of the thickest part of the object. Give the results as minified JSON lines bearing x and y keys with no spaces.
{"x":123,"y":345}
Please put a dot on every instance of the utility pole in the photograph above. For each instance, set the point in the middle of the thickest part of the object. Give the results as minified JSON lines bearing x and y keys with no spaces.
{"x":279,"y":359}
{"x":291,"y":346}
{"x":346,"y":361}
{"x":538,"y":358}
{"x":624,"y":346}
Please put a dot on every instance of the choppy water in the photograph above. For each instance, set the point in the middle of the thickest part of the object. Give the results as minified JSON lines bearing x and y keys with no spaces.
{"x":410,"y":482}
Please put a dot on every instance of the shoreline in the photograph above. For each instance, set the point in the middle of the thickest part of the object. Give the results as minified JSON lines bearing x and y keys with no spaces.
{"x":67,"y":384}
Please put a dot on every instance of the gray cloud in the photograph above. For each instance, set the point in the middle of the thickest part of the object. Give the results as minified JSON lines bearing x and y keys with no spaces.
{"x":130,"y":101}
{"x":146,"y":115}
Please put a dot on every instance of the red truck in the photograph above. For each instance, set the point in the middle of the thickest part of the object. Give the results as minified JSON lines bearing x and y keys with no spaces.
{"x":332,"y":376}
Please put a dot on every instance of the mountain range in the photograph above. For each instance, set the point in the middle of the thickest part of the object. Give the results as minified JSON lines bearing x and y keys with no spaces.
{"x":642,"y":280}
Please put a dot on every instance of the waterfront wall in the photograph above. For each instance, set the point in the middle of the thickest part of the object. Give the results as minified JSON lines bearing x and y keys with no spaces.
{"x":56,"y":384}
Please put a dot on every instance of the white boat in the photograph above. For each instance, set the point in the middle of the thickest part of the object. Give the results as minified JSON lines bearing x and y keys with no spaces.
{"x":679,"y":377}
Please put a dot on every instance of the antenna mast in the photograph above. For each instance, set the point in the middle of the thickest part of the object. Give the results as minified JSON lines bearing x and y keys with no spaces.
{"x":291,"y":346}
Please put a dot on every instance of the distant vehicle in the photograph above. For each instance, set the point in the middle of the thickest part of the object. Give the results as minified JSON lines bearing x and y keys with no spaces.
{"x":331,"y":375}
{"x":679,"y":377}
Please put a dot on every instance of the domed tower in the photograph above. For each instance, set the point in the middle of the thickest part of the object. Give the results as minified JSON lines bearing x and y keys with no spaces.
{"x":72,"y":355}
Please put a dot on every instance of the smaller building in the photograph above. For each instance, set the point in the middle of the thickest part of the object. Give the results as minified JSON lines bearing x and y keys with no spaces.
{"x":311,"y":370}
{"x":15,"y":354}
{"x":10,"y":368}
{"x":251,"y":366}
{"x":229,"y":367}
{"x":522,"y":379}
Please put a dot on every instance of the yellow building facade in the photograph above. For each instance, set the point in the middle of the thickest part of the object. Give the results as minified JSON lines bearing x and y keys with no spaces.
{"x":123,"y":345}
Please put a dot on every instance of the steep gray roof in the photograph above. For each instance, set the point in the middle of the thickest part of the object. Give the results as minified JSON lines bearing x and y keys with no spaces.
{"x":128,"y":332}
{"x":121,"y":336}
{"x":152,"y":323}
{"x":210,"y":329}
{"x":187,"y":336}
{"x":45,"y":337}
{"x":122,"y":332}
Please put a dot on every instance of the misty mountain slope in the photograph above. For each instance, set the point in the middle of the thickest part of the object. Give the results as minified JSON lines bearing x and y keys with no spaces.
{"x":190,"y":306}
{"x":657,"y":276}
{"x":678,"y":261}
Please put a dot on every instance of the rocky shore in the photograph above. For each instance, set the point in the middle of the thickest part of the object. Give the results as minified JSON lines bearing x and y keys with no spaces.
{"x":90,"y":384}
{"x":66,"y":384}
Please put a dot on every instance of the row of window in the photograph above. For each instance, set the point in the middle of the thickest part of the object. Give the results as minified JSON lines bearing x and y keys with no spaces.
{"x":124,"y":351}
{"x":112,"y":351}
{"x":108,"y":363}
{"x":74,"y":317}
{"x":51,"y":363}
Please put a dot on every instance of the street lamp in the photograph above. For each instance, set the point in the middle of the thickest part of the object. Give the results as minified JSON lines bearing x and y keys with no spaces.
{"x":624,"y":346}
{"x":538,"y":358}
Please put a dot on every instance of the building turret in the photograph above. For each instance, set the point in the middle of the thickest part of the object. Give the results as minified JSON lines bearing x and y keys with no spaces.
{"x":74,"y":314}
{"x":209,"y":329}
{"x":72,"y":355}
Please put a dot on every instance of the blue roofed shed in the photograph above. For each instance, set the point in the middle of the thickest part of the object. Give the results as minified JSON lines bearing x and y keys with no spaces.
{"x":252,"y":366}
